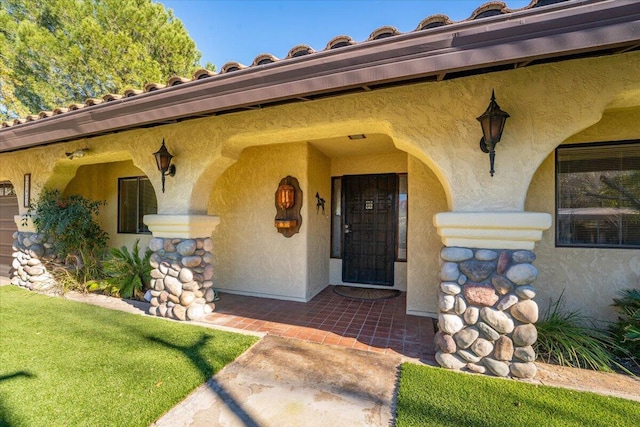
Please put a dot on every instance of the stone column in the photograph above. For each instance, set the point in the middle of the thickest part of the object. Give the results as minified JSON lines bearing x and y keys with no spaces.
{"x":31,"y":250}
{"x":486,"y":311}
{"x":181,"y":279}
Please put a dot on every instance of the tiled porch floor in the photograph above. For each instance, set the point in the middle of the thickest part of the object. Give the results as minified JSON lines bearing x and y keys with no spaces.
{"x":380,"y":326}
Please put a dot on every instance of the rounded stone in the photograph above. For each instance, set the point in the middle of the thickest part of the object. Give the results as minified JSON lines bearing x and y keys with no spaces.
{"x":486,"y":255}
{"x":480,"y":294}
{"x":179,"y":312}
{"x":523,"y":256}
{"x":174,"y":299}
{"x":162,"y":310}
{"x":526,"y":292}
{"x":200,"y":301}
{"x":209,"y":295}
{"x":185,"y":275}
{"x":207,"y":244}
{"x":207,"y":257}
{"x":211,"y":305}
{"x":173,"y":285}
{"x":207,"y":284}
{"x":525,"y":311}
{"x":445,"y":302}
{"x":449,"y":272}
{"x":449,"y":361}
{"x":462,"y":279}
{"x":455,"y":254}
{"x":460,"y":306}
{"x":157,"y":284}
{"x":186,"y":298}
{"x":164,"y":296}
{"x":482,"y":347}
{"x":503,"y":262}
{"x":157,"y":274}
{"x":155,"y":260}
{"x":503,"y":348}
{"x":471,"y":315}
{"x":208,"y":272}
{"x":450,"y":288}
{"x":507,"y":302}
{"x":27,"y":242}
{"x":164,"y":267}
{"x":468,"y":356}
{"x":199,"y":243}
{"x":169,"y":246}
{"x":36,"y":251}
{"x":496,"y":367}
{"x":475,"y":368}
{"x":174,"y":270}
{"x":477,"y":271}
{"x":195,"y":312}
{"x":156,"y":244}
{"x":498,"y":320}
{"x":208,"y":308}
{"x":466,"y":337}
{"x":154,"y":302}
{"x":450,"y":323}
{"x":487,"y":331}
{"x":153,"y":310}
{"x":190,"y":286}
{"x":525,"y":335}
{"x":445,"y":342}
{"x":199,"y":293}
{"x":501,"y":284}
{"x":526,"y":354}
{"x":191,"y":261}
{"x":186,"y":247}
{"x":522,"y":274}
{"x":524,"y":370}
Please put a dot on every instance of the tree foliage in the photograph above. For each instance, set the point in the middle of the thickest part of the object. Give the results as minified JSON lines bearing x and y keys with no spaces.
{"x":55,"y":52}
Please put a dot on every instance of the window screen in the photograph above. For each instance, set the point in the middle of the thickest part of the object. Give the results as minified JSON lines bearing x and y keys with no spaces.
{"x":136,"y":198}
{"x":598,"y":195}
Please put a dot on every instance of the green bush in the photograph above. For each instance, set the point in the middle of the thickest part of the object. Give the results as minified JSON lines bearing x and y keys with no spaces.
{"x":129,"y":272}
{"x":568,"y":338}
{"x":627,"y":330}
{"x":76,"y":237}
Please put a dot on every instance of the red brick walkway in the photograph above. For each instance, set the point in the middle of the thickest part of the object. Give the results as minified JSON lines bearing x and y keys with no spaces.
{"x":380,"y":326}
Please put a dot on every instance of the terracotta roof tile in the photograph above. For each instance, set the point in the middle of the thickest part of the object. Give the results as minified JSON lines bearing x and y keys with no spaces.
{"x":177,"y":80}
{"x":231,"y":66}
{"x":383,"y":32}
{"x":203,"y":73}
{"x":339,"y":41}
{"x":263,"y":59}
{"x":300,"y":50}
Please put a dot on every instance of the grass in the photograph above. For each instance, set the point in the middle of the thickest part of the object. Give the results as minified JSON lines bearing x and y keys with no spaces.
{"x":430,"y":396}
{"x":64,"y":363}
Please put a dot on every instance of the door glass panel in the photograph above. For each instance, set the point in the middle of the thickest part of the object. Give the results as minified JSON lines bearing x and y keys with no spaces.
{"x":336,"y":218}
{"x":402,"y":217}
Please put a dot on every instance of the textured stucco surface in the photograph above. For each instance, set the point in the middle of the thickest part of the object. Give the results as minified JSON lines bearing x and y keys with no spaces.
{"x":426,"y":198}
{"x":590,"y":277}
{"x":250,"y":255}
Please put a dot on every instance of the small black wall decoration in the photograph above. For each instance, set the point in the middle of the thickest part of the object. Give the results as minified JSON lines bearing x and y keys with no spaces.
{"x":319,"y":203}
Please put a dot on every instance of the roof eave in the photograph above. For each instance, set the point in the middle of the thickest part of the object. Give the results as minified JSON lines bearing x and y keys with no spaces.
{"x":516,"y":38}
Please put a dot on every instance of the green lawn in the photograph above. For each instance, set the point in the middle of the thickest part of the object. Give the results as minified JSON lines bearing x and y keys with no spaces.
{"x":430,"y":396}
{"x":64,"y":363}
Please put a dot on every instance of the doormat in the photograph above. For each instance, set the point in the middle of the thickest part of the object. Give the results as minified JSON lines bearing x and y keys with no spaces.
{"x":368,"y":294}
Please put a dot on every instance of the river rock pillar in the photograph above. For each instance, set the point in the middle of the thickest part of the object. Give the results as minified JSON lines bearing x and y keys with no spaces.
{"x":182,"y":274}
{"x":486,"y":307}
{"x":31,"y":251}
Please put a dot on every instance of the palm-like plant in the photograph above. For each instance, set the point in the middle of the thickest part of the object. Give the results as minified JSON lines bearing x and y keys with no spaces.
{"x":128,"y":271}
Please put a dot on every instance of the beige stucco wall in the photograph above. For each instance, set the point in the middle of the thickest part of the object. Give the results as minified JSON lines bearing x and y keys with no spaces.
{"x":318,"y":222}
{"x":426,"y":198}
{"x":100,"y":182}
{"x":250,"y":256}
{"x":590,"y":277}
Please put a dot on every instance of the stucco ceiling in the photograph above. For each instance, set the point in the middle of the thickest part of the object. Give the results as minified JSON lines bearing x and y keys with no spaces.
{"x":372,"y":144}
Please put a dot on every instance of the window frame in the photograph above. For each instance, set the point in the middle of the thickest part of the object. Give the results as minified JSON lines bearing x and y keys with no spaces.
{"x":561,"y":147}
{"x":138,"y":225}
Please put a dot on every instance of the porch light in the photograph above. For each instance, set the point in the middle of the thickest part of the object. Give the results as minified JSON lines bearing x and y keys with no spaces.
{"x":163,"y":161}
{"x":492,"y":122}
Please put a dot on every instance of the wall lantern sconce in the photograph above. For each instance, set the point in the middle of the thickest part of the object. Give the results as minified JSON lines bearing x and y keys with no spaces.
{"x":492,"y":122}
{"x":288,"y":204}
{"x":163,"y":161}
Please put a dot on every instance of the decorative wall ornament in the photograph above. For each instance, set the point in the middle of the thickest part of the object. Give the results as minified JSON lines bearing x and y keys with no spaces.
{"x":76,"y":154}
{"x":288,"y":202}
{"x":319,"y":203}
{"x":27,"y":190}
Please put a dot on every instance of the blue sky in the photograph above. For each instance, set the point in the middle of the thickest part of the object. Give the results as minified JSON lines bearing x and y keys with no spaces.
{"x":241,"y":30}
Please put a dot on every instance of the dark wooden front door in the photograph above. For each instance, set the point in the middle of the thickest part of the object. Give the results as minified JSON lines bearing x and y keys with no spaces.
{"x":369,"y":228}
{"x":8,"y":208}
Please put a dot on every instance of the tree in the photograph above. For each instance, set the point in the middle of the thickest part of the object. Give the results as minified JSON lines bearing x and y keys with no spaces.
{"x":55,"y":52}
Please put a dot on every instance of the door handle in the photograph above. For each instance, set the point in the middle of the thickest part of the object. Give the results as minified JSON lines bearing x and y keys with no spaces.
{"x":347,"y":230}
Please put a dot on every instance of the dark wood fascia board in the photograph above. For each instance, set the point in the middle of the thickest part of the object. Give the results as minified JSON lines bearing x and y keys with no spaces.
{"x":515,"y":38}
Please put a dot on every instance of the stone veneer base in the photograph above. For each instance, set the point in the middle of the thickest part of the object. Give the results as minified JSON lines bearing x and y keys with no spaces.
{"x":486,"y":312}
{"x":30,"y":249}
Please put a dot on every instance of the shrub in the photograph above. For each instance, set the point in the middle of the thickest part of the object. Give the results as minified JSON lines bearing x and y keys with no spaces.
{"x":568,"y":338}
{"x":75,"y":235}
{"x":626,"y":331}
{"x":128,"y":271}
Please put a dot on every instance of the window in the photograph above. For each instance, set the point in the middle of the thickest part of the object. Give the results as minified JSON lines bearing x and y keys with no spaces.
{"x":6,"y":189}
{"x":598,"y":195}
{"x":401,"y":215}
{"x":136,"y":198}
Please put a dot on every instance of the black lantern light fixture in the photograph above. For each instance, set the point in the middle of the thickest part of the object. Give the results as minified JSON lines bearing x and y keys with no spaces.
{"x":163,"y":161}
{"x":492,"y":122}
